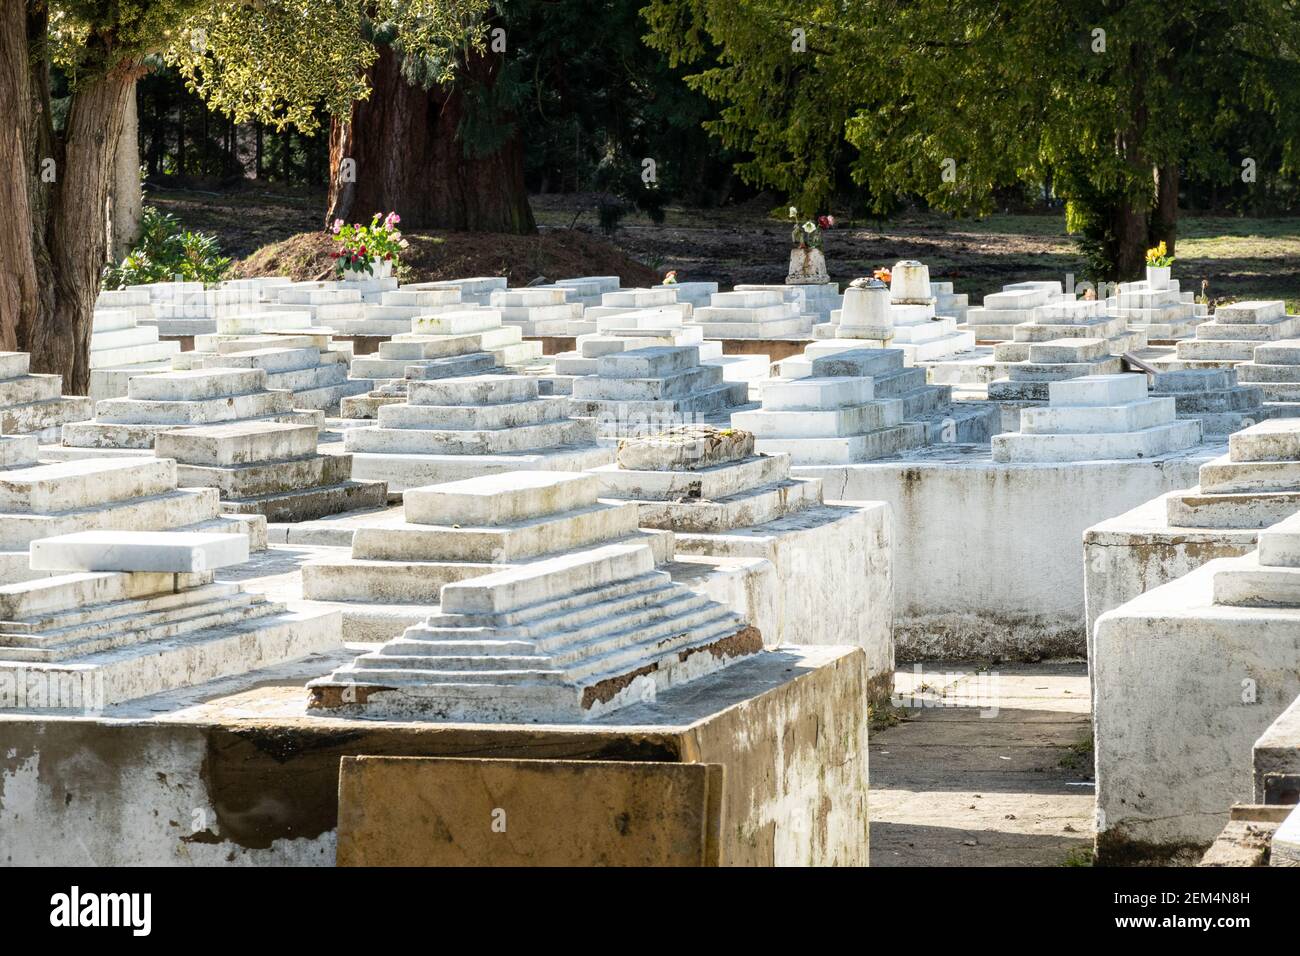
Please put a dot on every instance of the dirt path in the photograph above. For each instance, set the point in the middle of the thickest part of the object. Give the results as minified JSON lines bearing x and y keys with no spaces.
{"x":995,"y":769}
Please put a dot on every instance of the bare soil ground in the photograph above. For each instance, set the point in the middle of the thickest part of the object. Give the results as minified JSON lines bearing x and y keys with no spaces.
{"x":271,"y":232}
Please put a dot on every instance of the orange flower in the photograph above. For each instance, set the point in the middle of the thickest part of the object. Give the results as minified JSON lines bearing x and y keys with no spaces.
{"x":882,"y":274}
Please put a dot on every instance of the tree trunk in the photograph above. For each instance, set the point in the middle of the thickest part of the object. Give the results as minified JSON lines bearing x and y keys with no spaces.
{"x":1164,"y":220}
{"x":126,"y":202}
{"x":19,"y":293}
{"x":410,"y":159}
{"x":1129,"y":227}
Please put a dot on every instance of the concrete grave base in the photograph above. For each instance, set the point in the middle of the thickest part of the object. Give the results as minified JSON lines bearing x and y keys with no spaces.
{"x":236,"y":772}
{"x":988,"y":556}
{"x":1182,"y":689}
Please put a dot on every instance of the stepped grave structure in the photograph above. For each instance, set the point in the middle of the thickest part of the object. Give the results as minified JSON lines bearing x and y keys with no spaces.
{"x":121,"y":347}
{"x":104,"y":494}
{"x":996,"y":319}
{"x":566,"y":639}
{"x":1232,"y":334}
{"x":1157,"y":307}
{"x":159,"y":403}
{"x":18,"y":451}
{"x":127,"y":614}
{"x":1214,"y":397}
{"x":1097,"y":417}
{"x":459,"y":530}
{"x":394,"y":313}
{"x":473,"y":291}
{"x":759,"y":314}
{"x":32,"y":403}
{"x":723,"y":499}
{"x":623,"y":302}
{"x":536,"y":311}
{"x":268,"y":468}
{"x":187,"y":308}
{"x":1254,"y":485}
{"x":1186,"y":678}
{"x":815,"y":301}
{"x":857,"y":406}
{"x":1275,"y":370}
{"x":453,"y":428}
{"x":641,"y":391}
{"x":1070,"y":318}
{"x":1028,"y":380}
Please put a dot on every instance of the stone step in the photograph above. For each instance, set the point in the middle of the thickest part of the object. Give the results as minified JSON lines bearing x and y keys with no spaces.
{"x":417,"y":348}
{"x":747,"y":508}
{"x":18,"y":451}
{"x":178,"y":412}
{"x":14,"y":365}
{"x":1269,"y":374}
{"x":74,"y":485}
{"x":1081,"y":420}
{"x":672,"y":385}
{"x":54,"y":594}
{"x":828,"y":423}
{"x":241,"y":443}
{"x":466,"y":417}
{"x":650,"y":363}
{"x":1279,"y":545}
{"x":43,"y":418}
{"x":524,"y":298}
{"x":816,"y":393}
{"x":1147,"y":443}
{"x":311,"y":503}
{"x":272,"y":360}
{"x":34,"y":630}
{"x":1238,"y":399}
{"x":1282,"y":352}
{"x":1067,"y":351}
{"x":174,"y":509}
{"x":134,"y":622}
{"x":268,"y":477}
{"x":1253,"y":509}
{"x":1250,"y":313}
{"x":696,"y":485}
{"x":1272,"y":440}
{"x":455,"y":366}
{"x":423,"y":298}
{"x":175,"y":552}
{"x":494,"y":500}
{"x":122,"y":338}
{"x":196,"y":385}
{"x":1248,"y":583}
{"x":376,"y":439}
{"x":134,"y":355}
{"x":1225,"y":476}
{"x":1265,"y":331}
{"x":1033,"y":372}
{"x":30,"y":389}
{"x":474,"y":390}
{"x":884,"y":443}
{"x":581,"y":527}
{"x":1099,"y":390}
{"x":384,"y":582}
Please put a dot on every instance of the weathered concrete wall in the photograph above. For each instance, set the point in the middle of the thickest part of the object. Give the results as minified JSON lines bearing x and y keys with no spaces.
{"x":1137,"y":551}
{"x":1181,"y":690}
{"x":833,"y":581}
{"x":988,"y":557}
{"x":240,"y":775}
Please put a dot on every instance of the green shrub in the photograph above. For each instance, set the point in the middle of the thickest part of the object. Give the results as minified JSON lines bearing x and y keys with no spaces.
{"x":167,"y":251}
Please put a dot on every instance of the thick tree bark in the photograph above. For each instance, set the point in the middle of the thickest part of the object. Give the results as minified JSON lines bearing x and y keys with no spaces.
{"x":126,"y":202}
{"x":1164,"y":220}
{"x":409,"y":158}
{"x":19,"y":293}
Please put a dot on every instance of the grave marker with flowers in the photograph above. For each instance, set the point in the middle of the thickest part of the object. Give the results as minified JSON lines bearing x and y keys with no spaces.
{"x":807,"y":259}
{"x":368,"y":251}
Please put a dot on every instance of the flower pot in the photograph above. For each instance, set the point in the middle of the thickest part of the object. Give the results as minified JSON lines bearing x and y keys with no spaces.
{"x":1158,"y":277}
{"x":376,"y":269}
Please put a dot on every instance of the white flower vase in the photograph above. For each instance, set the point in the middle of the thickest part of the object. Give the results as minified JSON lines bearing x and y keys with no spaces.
{"x":807,"y":266}
{"x":379,"y":269}
{"x":1158,"y":277}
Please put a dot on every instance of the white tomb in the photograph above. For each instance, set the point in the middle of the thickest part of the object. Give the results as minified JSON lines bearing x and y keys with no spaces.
{"x":1214,"y":397}
{"x":31,"y":403}
{"x":1186,"y":678}
{"x":756,"y":314}
{"x":1097,"y":417}
{"x":158,"y":403}
{"x":453,"y":428}
{"x":1233,"y":332}
{"x":129,"y":614}
{"x":1275,"y":369}
{"x":113,"y":494}
{"x":476,"y":290}
{"x":462,"y":529}
{"x":268,"y":468}
{"x":570,"y":638}
{"x":536,"y":311}
{"x":120,"y":347}
{"x":641,"y":391}
{"x":1157,"y":306}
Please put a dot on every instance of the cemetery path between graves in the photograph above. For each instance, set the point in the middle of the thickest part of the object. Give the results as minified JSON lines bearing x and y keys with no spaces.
{"x":989,"y":768}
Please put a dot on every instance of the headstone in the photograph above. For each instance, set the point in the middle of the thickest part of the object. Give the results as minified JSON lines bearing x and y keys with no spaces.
{"x":84,"y":639}
{"x":454,"y":428}
{"x":1097,"y":417}
{"x":570,"y":638}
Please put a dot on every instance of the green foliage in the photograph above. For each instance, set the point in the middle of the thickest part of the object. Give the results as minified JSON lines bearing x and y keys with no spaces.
{"x":952,"y":100}
{"x":167,"y":251}
{"x":360,"y":244}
